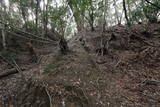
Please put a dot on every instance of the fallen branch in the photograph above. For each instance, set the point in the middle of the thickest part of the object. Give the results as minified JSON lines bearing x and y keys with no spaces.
{"x":18,"y":69}
{"x":49,"y":97}
{"x":7,"y":73}
{"x":14,"y":65}
{"x":152,"y":82}
{"x":27,"y":38}
{"x":33,"y":35}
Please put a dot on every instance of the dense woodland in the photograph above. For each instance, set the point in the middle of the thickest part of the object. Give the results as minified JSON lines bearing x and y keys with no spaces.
{"x":67,"y":17}
{"x":79,"y":53}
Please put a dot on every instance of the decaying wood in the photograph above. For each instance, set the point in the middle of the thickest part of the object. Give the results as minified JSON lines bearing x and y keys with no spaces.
{"x":7,"y":73}
{"x":152,"y":82}
{"x":13,"y":64}
{"x":53,"y":35}
{"x":29,"y":38}
{"x":49,"y":97}
{"x":17,"y":67}
{"x":63,"y":46}
{"x":32,"y":52}
{"x":24,"y":32}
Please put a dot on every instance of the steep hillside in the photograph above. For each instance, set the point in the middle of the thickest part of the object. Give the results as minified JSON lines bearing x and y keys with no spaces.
{"x":119,"y":67}
{"x":127,"y":74}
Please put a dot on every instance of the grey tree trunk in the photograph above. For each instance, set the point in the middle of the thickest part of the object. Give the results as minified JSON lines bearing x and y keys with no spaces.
{"x":3,"y":27}
{"x":37,"y":7}
{"x":4,"y":39}
{"x":77,"y":16}
{"x":104,"y":15}
{"x":116,"y":13}
{"x":45,"y":17}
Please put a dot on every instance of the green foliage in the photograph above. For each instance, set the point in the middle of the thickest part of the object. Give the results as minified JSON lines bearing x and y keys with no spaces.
{"x":8,"y":54}
{"x":85,"y":12}
{"x":136,"y":15}
{"x":31,"y":26}
{"x":57,"y":17}
{"x":25,"y":3}
{"x":51,"y":68}
{"x":146,"y":10}
{"x":151,"y":12}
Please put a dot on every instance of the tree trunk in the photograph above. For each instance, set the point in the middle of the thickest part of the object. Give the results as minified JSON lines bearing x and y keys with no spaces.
{"x":129,"y":10}
{"x":92,"y":20}
{"x":91,"y":15}
{"x":3,"y":29}
{"x":23,"y":12}
{"x":125,"y":11}
{"x":63,"y":46}
{"x":116,"y":13}
{"x":4,"y":39}
{"x":37,"y":7}
{"x":45,"y":17}
{"x":104,"y":15}
{"x":32,"y":52}
{"x":7,"y":73}
{"x":77,"y":16}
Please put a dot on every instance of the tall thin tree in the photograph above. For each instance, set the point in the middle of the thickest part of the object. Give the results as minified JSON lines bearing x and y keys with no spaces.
{"x":125,"y":11}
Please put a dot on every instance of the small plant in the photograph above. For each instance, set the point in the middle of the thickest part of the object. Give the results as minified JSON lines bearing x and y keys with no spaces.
{"x":52,"y":67}
{"x":7,"y":54}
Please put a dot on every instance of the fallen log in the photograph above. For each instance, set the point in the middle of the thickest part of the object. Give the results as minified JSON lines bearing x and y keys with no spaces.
{"x":7,"y":73}
{"x":16,"y":68}
{"x":152,"y":82}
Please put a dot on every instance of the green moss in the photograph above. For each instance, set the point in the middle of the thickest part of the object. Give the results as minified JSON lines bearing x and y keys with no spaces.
{"x":8,"y":54}
{"x":59,"y":63}
{"x":51,"y":68}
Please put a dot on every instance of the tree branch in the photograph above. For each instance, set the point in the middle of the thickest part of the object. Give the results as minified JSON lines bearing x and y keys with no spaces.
{"x":153,"y":4}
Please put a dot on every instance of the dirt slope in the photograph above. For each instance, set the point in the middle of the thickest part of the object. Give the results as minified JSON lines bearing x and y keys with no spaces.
{"x":127,"y":75}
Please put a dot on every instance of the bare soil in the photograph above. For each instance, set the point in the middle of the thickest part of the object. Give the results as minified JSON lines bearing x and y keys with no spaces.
{"x":128,"y":75}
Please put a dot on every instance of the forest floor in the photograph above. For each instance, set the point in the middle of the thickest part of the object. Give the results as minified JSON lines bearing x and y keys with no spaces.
{"x":127,"y":75}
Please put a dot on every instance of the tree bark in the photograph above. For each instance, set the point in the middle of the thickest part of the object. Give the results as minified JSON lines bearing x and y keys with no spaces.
{"x":63,"y":46}
{"x":32,"y":52}
{"x":116,"y":12}
{"x":125,"y":11}
{"x":7,"y":73}
{"x":104,"y":15}
{"x":45,"y":17}
{"x":92,"y":20}
{"x":3,"y":29}
{"x":77,"y":15}
{"x":37,"y":7}
{"x":23,"y":12}
{"x":4,"y":39}
{"x":129,"y":10}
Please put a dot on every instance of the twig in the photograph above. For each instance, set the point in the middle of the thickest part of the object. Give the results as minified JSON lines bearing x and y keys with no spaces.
{"x":84,"y":93}
{"x":19,"y":69}
{"x":49,"y":96}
